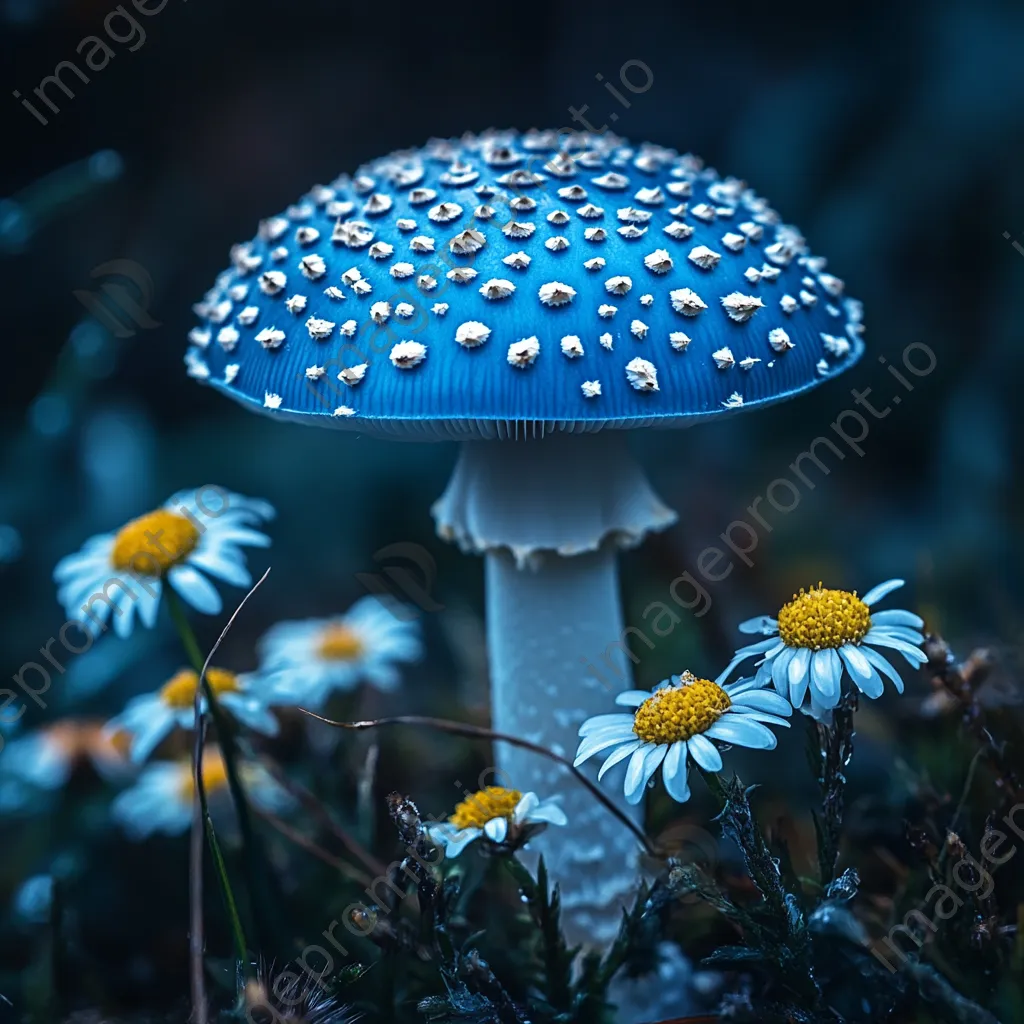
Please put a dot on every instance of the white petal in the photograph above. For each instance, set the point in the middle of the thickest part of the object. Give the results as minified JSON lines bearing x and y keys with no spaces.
{"x":760,"y":716}
{"x":600,"y":721}
{"x":749,"y":651}
{"x":496,"y":830}
{"x":780,"y":671}
{"x":591,"y":745}
{"x":743,"y":732}
{"x":897,"y":617}
{"x":632,"y":698}
{"x":674,"y":772}
{"x":619,"y":755}
{"x":875,"y":594}
{"x":197,"y":590}
{"x":527,"y":803}
{"x":641,"y":768}
{"x":549,"y":812}
{"x":705,"y":753}
{"x":913,"y":655}
{"x":883,"y":665}
{"x":760,"y":624}
{"x":799,"y":676}
{"x":912,"y":636}
{"x":764,"y":700}
{"x":826,"y":672}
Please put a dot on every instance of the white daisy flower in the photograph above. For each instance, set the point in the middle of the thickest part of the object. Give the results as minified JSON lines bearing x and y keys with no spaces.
{"x":304,"y":662}
{"x":46,"y":757}
{"x":194,"y":533}
{"x":821,"y":632}
{"x":498,"y":815}
{"x":161,"y":799}
{"x":677,"y":720}
{"x":150,"y":717}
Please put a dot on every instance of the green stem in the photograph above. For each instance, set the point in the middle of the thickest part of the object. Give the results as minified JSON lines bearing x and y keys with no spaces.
{"x":229,"y":751}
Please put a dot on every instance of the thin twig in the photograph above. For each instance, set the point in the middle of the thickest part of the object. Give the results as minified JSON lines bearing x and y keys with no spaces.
{"x":314,"y":848}
{"x":479,"y":732}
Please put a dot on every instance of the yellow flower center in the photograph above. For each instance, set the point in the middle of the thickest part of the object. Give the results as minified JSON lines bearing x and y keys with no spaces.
{"x":679,"y":712}
{"x":821,"y":618}
{"x":154,"y":543}
{"x":339,"y":643}
{"x":180,"y":691}
{"x":479,"y":808}
{"x":215,"y":775}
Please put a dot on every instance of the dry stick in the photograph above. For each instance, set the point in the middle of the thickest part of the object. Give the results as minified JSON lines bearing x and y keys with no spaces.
{"x":479,"y":732}
{"x":314,"y":848}
{"x":200,"y":1009}
{"x":319,"y":811}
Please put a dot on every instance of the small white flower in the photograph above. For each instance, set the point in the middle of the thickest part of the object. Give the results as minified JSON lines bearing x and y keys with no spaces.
{"x":195,"y":533}
{"x":678,"y":720}
{"x":821,"y":632}
{"x":304,"y":662}
{"x":495,"y":814}
{"x":150,"y":717}
{"x":161,"y":799}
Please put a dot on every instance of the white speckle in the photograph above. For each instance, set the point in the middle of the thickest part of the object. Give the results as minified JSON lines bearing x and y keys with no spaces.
{"x":344,"y":410}
{"x":306,"y":235}
{"x":314,"y":372}
{"x":628,"y":215}
{"x":734,"y":242}
{"x":497,"y":288}
{"x":230,"y":372}
{"x":679,"y":188}
{"x":555,"y":293}
{"x":752,"y":274}
{"x":271,"y":401}
{"x":349,"y":328}
{"x":419,"y":196}
{"x":605,"y":312}
{"x":573,"y":193}
{"x":833,"y":285}
{"x":704,"y":212}
{"x":642,"y":375}
{"x":272,"y":281}
{"x":753,"y":231}
{"x":351,"y":276}
{"x":278,"y":254}
{"x":404,"y":310}
{"x":405,"y":224}
{"x":597,"y":263}
{"x":789,"y":304}
{"x":659,"y":261}
{"x":220,"y":311}
{"x":741,"y":307}
{"x":680,"y":211}
{"x":769,"y":273}
{"x":724,"y":358}
{"x":748,"y":363}
{"x":650,"y":196}
{"x":780,"y":253}
{"x":273,"y":228}
{"x":313,"y":266}
{"x":484,"y":212}
{"x":595,"y":234}
{"x":808,"y":298}
{"x":687,"y":301}
{"x":353,"y":375}
{"x":518,"y":229}
{"x":467,"y":242}
{"x":335,"y":294}
{"x":607,"y":341}
{"x":523,"y":204}
{"x":521,"y":179}
{"x":362,"y":287}
{"x":631,"y":231}
{"x":647,"y":300}
{"x":421,"y":243}
{"x":558,"y":218}
{"x":380,"y":311}
{"x":270,"y":337}
{"x":591,"y":388}
{"x":461,"y":275}
{"x":195,"y":367}
{"x":618,"y":285}
{"x":337,"y":208}
{"x":407,"y":354}
{"x":639,"y":329}
{"x":199,"y":336}
{"x":363,"y":183}
{"x":822,"y":367}
{"x":381,"y":250}
{"x":523,"y":353}
{"x":572,"y":346}
{"x":402,"y":270}
{"x":472,"y":334}
{"x":353,"y":234}
{"x":679,"y":341}
{"x":426,"y":283}
{"x":734,"y":401}
{"x":779,"y":340}
{"x":227,"y":338}
{"x":611,"y":181}
{"x":836,"y":346}
{"x":557,"y":243}
{"x":678,"y":230}
{"x":703,"y":257}
{"x":590,"y":211}
{"x":439,"y":308}
{"x":377,"y":204}
{"x":319,"y":329}
{"x":517,"y":260}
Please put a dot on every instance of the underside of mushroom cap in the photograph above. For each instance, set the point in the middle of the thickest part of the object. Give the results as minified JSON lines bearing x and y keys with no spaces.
{"x":509,"y":284}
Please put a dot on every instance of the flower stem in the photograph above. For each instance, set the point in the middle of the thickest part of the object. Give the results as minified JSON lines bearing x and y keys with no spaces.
{"x":229,"y":751}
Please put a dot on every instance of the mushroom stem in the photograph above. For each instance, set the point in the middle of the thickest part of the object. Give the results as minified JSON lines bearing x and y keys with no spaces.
{"x":550,"y":513}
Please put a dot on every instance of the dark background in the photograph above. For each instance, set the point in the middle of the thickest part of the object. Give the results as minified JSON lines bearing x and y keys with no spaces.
{"x":892,"y":134}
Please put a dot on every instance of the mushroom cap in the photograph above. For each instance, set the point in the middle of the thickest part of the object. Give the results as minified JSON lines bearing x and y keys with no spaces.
{"x":507,"y":282}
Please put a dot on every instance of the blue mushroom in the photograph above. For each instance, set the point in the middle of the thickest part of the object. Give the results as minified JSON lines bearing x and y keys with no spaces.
{"x":532,"y":295}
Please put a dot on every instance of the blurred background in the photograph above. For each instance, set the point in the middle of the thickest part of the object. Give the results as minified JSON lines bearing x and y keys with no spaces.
{"x":892,"y":135}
